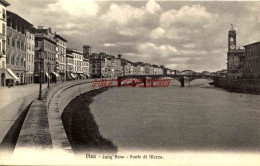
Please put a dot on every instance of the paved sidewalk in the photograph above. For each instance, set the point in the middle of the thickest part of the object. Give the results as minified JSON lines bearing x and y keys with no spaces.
{"x":8,"y":95}
{"x":13,"y":101}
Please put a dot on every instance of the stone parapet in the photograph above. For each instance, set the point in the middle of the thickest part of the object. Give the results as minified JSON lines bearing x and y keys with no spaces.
{"x":43,"y":129}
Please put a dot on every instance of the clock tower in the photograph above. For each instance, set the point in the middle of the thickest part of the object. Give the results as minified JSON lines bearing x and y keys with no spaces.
{"x":232,"y":39}
{"x":235,"y":56}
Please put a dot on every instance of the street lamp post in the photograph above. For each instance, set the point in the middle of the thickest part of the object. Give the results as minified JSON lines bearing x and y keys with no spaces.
{"x":48,"y":65}
{"x":40,"y":74}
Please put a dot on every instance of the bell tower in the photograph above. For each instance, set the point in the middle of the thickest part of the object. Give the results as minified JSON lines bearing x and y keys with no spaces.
{"x":232,"y":39}
{"x":86,"y":51}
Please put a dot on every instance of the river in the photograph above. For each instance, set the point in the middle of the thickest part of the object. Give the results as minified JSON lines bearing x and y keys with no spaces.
{"x":199,"y":117}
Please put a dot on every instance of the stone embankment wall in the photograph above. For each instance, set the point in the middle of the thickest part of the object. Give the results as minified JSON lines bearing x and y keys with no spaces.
{"x":239,"y":85}
{"x":43,"y":124}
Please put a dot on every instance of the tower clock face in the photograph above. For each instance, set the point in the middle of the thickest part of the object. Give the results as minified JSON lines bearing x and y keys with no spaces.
{"x":232,"y":46}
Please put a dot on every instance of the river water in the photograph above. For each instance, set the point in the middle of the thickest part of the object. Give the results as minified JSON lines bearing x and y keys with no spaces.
{"x":199,"y":117}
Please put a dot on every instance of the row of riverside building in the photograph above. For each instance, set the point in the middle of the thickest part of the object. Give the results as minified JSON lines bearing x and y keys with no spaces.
{"x":22,"y":45}
{"x":103,"y":65}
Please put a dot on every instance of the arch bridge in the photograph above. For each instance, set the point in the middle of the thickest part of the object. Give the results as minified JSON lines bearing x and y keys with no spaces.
{"x":181,"y":78}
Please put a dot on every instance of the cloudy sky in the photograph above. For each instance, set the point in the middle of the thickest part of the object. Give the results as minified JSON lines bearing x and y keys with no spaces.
{"x":179,"y":35}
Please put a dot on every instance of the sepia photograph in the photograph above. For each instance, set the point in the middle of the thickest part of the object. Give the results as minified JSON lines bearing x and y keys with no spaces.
{"x":130,"y":82}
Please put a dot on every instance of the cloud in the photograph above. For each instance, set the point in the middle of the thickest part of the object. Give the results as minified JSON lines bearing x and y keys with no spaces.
{"x":189,"y":45}
{"x":153,"y":7}
{"x":150,"y":50}
{"x":157,"y":33}
{"x":109,"y":45}
{"x":193,"y":16}
{"x":177,"y":34}
{"x":123,"y":14}
{"x":75,"y":8}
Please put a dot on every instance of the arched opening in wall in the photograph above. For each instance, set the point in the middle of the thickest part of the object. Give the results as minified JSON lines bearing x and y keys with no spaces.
{"x":53,"y":77}
{"x":21,"y":78}
{"x":3,"y":79}
{"x":36,"y":78}
{"x":45,"y":77}
{"x":18,"y":76}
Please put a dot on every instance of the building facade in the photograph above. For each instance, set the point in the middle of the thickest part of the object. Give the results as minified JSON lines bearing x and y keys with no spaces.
{"x":139,"y":68}
{"x":45,"y":45}
{"x":61,"y":47}
{"x":30,"y":53}
{"x":252,"y":61}
{"x":78,"y":63}
{"x":127,"y":67}
{"x":3,"y":72}
{"x":99,"y":65}
{"x":16,"y":46}
{"x":116,"y":66}
{"x":148,"y":69}
{"x":157,"y":70}
{"x":85,"y":68}
{"x":70,"y":67}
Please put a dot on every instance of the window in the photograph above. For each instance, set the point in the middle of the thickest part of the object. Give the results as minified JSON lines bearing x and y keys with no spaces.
{"x":17,"y":62}
{"x":3,"y":46}
{"x":18,"y":44}
{"x":7,"y":59}
{"x":12,"y":60}
{"x":22,"y":46}
{"x":3,"y":14}
{"x":3,"y":28}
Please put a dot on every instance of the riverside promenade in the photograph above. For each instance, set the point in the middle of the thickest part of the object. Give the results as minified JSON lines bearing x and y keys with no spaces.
{"x":38,"y":131}
{"x":13,"y":101}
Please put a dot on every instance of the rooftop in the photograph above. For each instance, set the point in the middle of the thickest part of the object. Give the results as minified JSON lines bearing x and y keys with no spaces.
{"x":17,"y":17}
{"x":5,"y":3}
{"x":72,"y":50}
{"x":62,"y":38}
{"x":256,"y":43}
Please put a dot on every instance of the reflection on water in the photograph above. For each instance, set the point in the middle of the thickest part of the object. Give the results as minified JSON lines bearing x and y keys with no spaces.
{"x":174,"y":118}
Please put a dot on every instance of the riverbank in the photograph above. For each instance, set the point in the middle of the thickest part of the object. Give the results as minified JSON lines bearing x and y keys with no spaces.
{"x":81,"y":128}
{"x":250,"y":86}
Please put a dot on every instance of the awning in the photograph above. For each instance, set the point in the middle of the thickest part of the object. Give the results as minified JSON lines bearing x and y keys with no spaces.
{"x":81,"y":75}
{"x":8,"y":76}
{"x":68,"y":76}
{"x":47,"y":75}
{"x":73,"y":75}
{"x":56,"y":74}
{"x":13,"y":75}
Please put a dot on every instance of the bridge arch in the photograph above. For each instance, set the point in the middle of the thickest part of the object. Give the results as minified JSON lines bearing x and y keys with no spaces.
{"x":180,"y":78}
